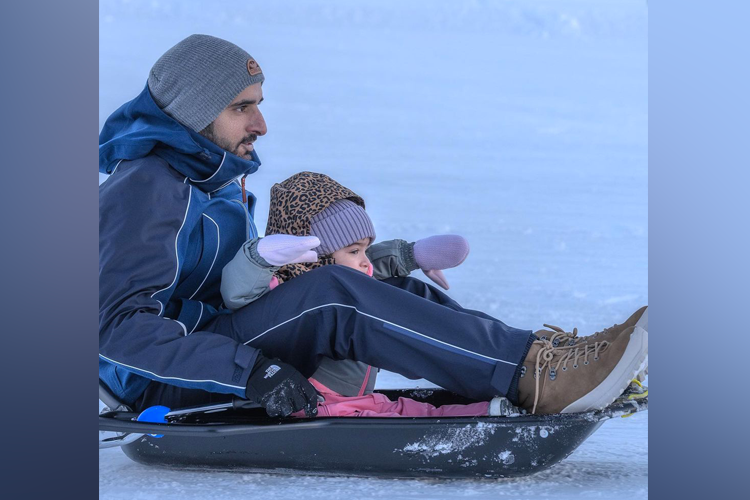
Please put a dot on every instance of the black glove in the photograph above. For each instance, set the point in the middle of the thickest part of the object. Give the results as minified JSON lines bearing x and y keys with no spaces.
{"x":281,"y":389}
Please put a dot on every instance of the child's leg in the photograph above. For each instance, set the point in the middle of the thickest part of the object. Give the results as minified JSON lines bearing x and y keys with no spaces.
{"x":406,"y":407}
{"x":378,"y":405}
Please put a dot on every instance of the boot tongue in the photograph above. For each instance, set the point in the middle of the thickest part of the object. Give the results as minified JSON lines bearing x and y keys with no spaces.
{"x":543,"y":334}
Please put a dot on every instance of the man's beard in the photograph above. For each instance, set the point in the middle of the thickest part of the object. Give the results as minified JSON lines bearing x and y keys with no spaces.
{"x":225,"y":144}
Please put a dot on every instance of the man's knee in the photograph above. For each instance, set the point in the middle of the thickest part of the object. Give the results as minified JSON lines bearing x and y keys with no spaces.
{"x":335,"y":273}
{"x":407,"y":283}
{"x":332,"y":281}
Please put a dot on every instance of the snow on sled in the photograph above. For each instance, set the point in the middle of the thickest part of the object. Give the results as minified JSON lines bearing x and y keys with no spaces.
{"x":224,"y":437}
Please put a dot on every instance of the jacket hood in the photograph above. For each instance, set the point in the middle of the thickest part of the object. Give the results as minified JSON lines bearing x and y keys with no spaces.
{"x":294,"y":202}
{"x":139,"y":128}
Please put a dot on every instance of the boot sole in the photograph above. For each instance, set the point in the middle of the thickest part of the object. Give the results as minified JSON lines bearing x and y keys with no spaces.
{"x":643,"y":320}
{"x":643,"y":323}
{"x":632,"y":361}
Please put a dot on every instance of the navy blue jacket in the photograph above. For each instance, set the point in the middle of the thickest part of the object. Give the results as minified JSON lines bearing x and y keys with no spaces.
{"x":171,"y":215}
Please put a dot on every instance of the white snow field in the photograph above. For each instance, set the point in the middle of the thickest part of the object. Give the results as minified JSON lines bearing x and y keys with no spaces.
{"x":521,"y":125}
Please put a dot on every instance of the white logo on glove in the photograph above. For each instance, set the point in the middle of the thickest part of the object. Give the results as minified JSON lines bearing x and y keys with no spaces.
{"x":271,"y":371}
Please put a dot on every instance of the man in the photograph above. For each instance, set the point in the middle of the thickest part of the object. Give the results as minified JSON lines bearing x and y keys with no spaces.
{"x":174,"y":212}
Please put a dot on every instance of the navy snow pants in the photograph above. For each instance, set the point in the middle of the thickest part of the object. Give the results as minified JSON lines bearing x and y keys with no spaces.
{"x":401,"y":325}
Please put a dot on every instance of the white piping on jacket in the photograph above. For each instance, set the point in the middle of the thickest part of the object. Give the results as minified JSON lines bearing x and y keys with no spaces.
{"x":218,"y":243}
{"x":384,"y":321}
{"x":225,"y":184}
{"x":115,"y":169}
{"x":177,"y":255}
{"x":198,"y":320}
{"x":168,"y":378}
{"x":184,"y":328}
{"x":217,"y":170}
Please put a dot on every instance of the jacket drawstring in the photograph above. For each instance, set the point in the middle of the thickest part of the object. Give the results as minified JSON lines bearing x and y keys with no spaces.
{"x":364,"y":383}
{"x":244,"y":194}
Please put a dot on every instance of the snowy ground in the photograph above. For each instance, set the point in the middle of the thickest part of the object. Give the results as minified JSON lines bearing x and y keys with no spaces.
{"x":520,"y":125}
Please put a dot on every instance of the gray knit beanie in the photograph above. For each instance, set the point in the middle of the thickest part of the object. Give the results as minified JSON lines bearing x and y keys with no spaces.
{"x":197,"y":78}
{"x":342,"y":223}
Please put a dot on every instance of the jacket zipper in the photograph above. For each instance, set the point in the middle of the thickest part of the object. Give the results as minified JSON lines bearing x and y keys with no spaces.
{"x":248,"y":233}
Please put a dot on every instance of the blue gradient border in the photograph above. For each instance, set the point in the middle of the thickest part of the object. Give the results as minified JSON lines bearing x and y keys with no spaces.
{"x":698,"y":247}
{"x":49,"y":132}
{"x":698,"y":202}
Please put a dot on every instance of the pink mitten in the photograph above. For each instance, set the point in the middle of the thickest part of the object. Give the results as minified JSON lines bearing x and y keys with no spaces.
{"x":440,"y":252}
{"x":282,"y":249}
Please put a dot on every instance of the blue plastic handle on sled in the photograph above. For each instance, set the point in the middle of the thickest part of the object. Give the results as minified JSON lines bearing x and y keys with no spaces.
{"x":155,"y":414}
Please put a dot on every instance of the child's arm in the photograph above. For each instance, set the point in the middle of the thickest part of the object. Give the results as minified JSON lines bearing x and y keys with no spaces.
{"x":433,"y":254}
{"x":392,"y":258}
{"x":246,"y":277}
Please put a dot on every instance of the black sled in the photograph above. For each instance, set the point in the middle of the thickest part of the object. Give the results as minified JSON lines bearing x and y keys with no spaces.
{"x":227,"y":437}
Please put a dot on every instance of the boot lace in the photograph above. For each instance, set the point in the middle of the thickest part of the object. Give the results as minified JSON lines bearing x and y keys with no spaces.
{"x":561,"y":335}
{"x":550,"y":355}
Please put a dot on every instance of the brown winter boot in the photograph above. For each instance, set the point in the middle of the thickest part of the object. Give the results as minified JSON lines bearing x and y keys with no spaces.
{"x":582,"y":377}
{"x":560,"y":337}
{"x":638,"y":318}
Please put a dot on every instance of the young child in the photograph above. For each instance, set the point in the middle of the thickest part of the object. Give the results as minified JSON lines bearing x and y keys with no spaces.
{"x":311,"y":204}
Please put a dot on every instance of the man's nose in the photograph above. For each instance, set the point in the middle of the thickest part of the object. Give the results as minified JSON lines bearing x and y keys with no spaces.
{"x":257,"y":125}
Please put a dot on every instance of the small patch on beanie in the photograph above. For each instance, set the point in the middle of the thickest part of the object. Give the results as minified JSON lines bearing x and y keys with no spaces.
{"x":253,"y":68}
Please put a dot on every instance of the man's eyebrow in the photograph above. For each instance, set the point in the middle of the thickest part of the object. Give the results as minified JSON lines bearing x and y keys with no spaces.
{"x":246,"y":102}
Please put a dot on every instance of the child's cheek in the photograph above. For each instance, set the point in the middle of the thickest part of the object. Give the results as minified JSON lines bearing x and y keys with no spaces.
{"x":369,"y":270}
{"x":274,"y":283}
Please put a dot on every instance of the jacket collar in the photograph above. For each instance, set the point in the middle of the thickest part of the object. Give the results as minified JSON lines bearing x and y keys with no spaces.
{"x":139,"y":128}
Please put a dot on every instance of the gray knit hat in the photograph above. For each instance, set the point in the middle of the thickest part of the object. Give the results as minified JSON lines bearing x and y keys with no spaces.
{"x":197,"y":78}
{"x":342,"y":223}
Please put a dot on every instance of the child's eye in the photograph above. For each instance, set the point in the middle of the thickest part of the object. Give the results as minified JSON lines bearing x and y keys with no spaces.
{"x":355,"y":251}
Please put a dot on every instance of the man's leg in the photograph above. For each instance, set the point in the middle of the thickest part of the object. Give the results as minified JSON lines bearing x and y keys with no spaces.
{"x":340,"y":313}
{"x":434,"y":294}
{"x":174,"y":397}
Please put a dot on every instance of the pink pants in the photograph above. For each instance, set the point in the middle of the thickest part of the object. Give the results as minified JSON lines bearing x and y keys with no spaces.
{"x":377,"y":405}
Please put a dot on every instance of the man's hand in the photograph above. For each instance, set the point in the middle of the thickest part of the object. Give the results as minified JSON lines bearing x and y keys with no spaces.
{"x":282,"y":249}
{"x":440,"y":252}
{"x":281,"y":389}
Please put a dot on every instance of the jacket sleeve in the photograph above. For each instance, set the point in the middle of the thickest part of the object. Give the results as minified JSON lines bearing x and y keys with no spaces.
{"x":392,"y":258}
{"x":246,"y":277}
{"x":143,"y":226}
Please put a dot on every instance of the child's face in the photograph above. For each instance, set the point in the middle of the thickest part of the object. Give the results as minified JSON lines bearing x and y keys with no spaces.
{"x":354,"y":256}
